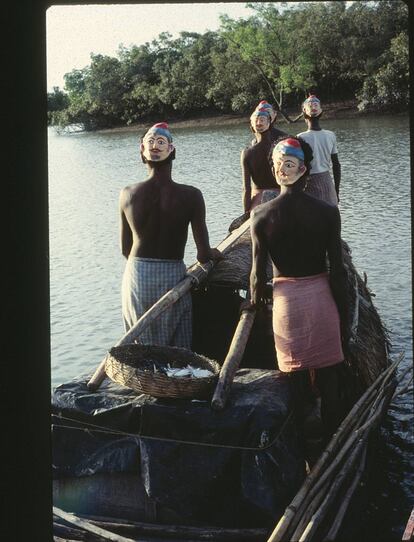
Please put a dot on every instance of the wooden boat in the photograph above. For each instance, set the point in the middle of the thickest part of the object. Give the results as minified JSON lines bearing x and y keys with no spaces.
{"x":231,"y":467}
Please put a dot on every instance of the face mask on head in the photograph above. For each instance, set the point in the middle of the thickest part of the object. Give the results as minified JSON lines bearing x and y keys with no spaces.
{"x":312,"y":106}
{"x":157,"y":144}
{"x":260,"y":120}
{"x":288,"y":163}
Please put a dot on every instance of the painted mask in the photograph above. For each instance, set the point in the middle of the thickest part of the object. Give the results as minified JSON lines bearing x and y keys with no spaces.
{"x":288,"y":160}
{"x":157,"y":143}
{"x":260,"y":120}
{"x":312,"y":106}
{"x":267,"y":107}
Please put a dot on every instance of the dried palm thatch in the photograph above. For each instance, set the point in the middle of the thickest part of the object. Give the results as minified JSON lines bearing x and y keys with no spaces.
{"x":370,"y":344}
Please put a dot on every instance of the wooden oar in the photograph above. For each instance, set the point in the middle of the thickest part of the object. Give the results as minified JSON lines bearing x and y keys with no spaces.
{"x":196,"y":274}
{"x":232,"y":361}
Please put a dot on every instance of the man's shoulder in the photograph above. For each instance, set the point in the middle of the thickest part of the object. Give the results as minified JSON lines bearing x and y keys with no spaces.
{"x":276,"y":133}
{"x":323,"y":207}
{"x":262,"y":212}
{"x":247,"y":151}
{"x":188,"y":191}
{"x":130,"y":189}
{"x":186,"y":187}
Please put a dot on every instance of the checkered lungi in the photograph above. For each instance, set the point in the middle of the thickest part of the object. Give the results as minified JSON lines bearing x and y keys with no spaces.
{"x":145,"y":280}
{"x":321,"y":186}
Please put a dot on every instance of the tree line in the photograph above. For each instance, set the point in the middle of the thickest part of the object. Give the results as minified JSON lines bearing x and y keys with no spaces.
{"x":338,"y":51}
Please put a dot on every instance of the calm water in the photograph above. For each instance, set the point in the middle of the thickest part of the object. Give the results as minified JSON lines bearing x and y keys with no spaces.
{"x":86,"y":173}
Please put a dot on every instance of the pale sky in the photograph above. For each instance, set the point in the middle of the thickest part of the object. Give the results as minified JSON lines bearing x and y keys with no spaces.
{"x":74,"y":32}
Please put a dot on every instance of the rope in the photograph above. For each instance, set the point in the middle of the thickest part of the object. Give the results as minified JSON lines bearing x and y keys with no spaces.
{"x":107,"y":430}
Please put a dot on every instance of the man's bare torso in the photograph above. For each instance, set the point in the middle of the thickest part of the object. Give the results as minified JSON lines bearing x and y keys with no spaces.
{"x":297,"y":230}
{"x":158,"y":214}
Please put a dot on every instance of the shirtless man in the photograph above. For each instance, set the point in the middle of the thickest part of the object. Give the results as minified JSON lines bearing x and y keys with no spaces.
{"x":310,"y":319}
{"x":325,"y":154}
{"x":155,"y":216}
{"x":255,"y":161}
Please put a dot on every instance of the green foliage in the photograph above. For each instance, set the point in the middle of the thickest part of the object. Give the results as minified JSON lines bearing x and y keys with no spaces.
{"x":388,"y":88}
{"x":280,"y":53}
{"x":57,"y":100}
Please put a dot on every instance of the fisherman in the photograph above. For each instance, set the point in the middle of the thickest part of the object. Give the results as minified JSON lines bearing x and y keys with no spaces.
{"x":258,"y":181}
{"x":310,"y":319}
{"x":155,"y":215}
{"x":325,"y":154}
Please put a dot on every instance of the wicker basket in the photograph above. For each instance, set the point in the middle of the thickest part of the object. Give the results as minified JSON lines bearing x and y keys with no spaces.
{"x":132,"y":365}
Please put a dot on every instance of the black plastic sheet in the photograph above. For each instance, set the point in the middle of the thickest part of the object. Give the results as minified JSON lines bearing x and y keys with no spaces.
{"x":242,"y":465}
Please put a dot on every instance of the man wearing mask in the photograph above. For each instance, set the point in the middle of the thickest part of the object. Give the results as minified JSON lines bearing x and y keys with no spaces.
{"x":155,"y":215}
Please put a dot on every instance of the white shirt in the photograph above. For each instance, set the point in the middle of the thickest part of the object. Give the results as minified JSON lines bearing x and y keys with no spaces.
{"x":323,"y":143}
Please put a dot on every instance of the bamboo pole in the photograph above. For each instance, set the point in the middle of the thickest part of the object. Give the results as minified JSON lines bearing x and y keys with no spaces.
{"x":375,"y":414}
{"x":336,"y":525}
{"x":408,"y":534}
{"x":368,"y":418}
{"x":348,"y":424}
{"x":232,"y":361}
{"x":87,"y":526}
{"x":317,"y":517}
{"x":180,"y":532}
{"x":196,"y":274}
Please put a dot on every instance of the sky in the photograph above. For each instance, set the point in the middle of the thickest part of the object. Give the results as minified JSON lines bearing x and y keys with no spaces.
{"x":74,"y":32}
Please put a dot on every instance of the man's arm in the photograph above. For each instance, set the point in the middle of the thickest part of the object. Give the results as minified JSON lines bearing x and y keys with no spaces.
{"x":338,"y":274}
{"x":124,"y":228}
{"x":258,"y":275}
{"x":336,"y":169}
{"x":200,"y":232}
{"x":247,"y":185}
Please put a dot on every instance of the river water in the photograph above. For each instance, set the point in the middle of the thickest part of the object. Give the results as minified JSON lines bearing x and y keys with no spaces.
{"x":86,"y":173}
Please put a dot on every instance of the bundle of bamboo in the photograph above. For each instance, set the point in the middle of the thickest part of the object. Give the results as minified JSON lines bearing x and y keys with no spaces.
{"x":334,"y":478}
{"x":370,"y":344}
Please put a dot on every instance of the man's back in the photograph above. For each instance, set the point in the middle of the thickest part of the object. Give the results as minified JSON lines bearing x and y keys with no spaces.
{"x":158,"y":214}
{"x":323,"y":143}
{"x":298,"y":230}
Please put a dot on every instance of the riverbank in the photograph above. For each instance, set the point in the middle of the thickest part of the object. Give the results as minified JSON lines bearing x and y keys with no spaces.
{"x":334,"y":110}
{"x":340,"y":109}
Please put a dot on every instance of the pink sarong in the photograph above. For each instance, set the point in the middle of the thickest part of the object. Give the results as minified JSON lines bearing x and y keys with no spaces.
{"x":306,"y":323}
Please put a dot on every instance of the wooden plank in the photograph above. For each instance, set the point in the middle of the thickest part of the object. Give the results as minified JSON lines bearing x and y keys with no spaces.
{"x":66,"y":532}
{"x":196,"y":274}
{"x":232,"y":361}
{"x":87,"y":526}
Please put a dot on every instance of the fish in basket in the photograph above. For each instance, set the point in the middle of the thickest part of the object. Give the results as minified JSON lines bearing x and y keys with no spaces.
{"x":162,"y":371}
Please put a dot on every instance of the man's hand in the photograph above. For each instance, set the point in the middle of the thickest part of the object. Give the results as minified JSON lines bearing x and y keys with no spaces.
{"x":247,"y":305}
{"x":216,"y":255}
